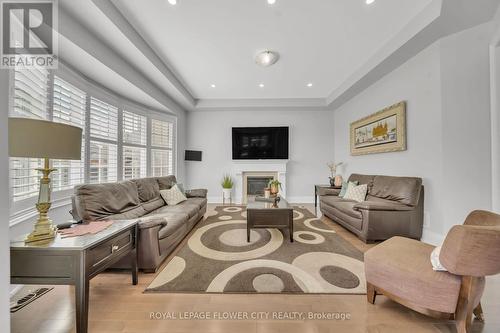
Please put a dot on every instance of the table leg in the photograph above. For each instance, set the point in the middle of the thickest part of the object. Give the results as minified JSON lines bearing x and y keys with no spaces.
{"x":82,"y":297}
{"x":133,"y":259}
{"x":315,"y":196}
{"x":290,"y":223}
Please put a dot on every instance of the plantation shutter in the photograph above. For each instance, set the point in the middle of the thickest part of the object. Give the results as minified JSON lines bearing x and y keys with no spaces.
{"x":68,"y":108}
{"x":29,"y":101}
{"x":162,"y":142}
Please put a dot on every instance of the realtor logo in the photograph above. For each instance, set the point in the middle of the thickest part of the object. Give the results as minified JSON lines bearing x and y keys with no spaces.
{"x":29,"y":34}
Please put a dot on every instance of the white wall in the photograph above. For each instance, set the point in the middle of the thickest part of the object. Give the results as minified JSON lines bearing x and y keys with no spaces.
{"x":4,"y":204}
{"x":446,"y":87}
{"x":311,"y":137}
{"x":418,"y":83}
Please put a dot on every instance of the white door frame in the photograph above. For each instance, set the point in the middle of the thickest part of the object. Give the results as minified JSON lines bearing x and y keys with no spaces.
{"x":495,"y":114}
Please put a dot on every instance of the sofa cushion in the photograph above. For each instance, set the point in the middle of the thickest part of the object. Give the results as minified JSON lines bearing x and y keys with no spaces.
{"x":190,"y":209}
{"x":167,"y":182}
{"x":401,"y":266}
{"x":405,"y":190}
{"x":175,"y":221}
{"x":97,"y":201}
{"x":347,"y":207}
{"x":200,"y":202}
{"x":128,"y":214}
{"x":148,"y":188}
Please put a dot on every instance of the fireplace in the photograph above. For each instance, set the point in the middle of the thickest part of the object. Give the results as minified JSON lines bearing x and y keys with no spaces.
{"x":257,"y":173}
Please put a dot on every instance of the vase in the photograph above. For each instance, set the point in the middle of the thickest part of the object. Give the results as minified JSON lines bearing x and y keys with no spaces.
{"x":226,"y":192}
{"x":332,"y":181}
{"x":338,"y":181}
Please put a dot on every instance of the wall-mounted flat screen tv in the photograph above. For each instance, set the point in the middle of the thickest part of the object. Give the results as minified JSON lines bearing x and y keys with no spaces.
{"x":260,"y":143}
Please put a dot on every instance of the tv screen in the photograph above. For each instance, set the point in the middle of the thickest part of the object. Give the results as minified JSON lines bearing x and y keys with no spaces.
{"x":260,"y":143}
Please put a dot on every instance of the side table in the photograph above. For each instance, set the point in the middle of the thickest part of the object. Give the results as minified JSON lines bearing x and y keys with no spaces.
{"x":74,"y":261}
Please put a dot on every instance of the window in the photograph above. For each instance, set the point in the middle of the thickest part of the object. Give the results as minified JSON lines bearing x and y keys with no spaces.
{"x":162,"y":134}
{"x":134,"y":128}
{"x":103,"y":142}
{"x":103,"y":162}
{"x":29,"y":101}
{"x":68,"y":108}
{"x":116,"y":144}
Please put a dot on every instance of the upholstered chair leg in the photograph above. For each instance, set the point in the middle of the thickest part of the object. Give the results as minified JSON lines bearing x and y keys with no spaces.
{"x":371,"y":294}
{"x":478,"y":313}
{"x":463,"y":315}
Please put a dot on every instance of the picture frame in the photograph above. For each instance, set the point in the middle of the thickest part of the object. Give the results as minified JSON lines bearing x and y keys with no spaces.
{"x":381,"y":132}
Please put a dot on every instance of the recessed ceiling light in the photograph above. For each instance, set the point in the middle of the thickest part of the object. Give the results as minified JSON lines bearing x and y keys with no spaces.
{"x":271,"y":2}
{"x":212,"y":85}
{"x":172,"y":2}
{"x":309,"y":84}
{"x":261,"y":85}
{"x":369,"y":2}
{"x":266,"y":58}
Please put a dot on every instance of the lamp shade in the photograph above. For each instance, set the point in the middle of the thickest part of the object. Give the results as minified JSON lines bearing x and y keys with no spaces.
{"x":44,"y":139}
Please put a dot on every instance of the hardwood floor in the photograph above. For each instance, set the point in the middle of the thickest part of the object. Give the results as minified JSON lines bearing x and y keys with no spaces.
{"x":118,"y":306}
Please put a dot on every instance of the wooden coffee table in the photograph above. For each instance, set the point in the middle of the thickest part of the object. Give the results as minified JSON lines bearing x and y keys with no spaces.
{"x":267,"y":215}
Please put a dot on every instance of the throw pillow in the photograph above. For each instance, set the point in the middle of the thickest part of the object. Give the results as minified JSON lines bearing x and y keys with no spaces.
{"x":181,"y":188}
{"x":436,"y":264}
{"x":356,"y":193}
{"x":173,"y":196}
{"x":345,"y":185}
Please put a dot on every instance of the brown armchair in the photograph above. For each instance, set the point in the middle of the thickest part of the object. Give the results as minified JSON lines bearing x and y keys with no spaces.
{"x":400,"y":268}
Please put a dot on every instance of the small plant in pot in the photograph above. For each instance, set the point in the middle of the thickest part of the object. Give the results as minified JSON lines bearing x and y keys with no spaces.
{"x":227,"y":186}
{"x":275,"y":186}
{"x":334,"y":180}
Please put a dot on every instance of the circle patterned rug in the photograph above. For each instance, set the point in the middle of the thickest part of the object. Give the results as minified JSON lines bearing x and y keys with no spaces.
{"x":218,"y":259}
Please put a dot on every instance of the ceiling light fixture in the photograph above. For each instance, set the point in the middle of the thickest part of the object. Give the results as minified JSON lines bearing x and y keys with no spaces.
{"x":309,"y":85}
{"x":369,"y":2}
{"x":261,"y":85}
{"x":266,"y":58}
{"x":271,"y":2}
{"x":172,"y":2}
{"x":212,"y":85}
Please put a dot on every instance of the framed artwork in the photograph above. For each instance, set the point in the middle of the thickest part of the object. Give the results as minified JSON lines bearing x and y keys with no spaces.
{"x":381,"y":132}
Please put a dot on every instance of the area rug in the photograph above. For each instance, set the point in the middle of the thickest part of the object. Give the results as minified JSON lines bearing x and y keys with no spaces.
{"x":218,"y":259}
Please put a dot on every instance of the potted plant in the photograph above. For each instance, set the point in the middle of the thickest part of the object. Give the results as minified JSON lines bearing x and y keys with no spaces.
{"x":333,"y":170}
{"x":275,"y":186}
{"x":227,"y":186}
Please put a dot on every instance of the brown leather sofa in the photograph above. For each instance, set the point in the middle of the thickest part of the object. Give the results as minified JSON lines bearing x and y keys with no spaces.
{"x":401,"y":269}
{"x":161,"y":227}
{"x":394,"y":206}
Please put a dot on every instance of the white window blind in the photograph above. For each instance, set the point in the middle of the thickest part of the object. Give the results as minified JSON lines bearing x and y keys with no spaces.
{"x":162,"y":133}
{"x":134,"y":128}
{"x":134,"y":162}
{"x":161,"y":162}
{"x":68,"y":108}
{"x":103,"y":162}
{"x":103,"y":120}
{"x":30,"y":101}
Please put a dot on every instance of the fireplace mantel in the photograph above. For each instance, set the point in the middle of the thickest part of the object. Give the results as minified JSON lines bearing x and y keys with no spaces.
{"x":240,"y":167}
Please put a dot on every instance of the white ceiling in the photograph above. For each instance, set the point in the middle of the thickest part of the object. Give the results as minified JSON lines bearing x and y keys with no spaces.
{"x":214,"y":42}
{"x":159,"y":54}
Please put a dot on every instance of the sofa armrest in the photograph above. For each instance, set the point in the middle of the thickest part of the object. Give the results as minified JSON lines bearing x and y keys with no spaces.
{"x":151,"y":223}
{"x":322,"y":191}
{"x":371,"y":205}
{"x":197,"y":193}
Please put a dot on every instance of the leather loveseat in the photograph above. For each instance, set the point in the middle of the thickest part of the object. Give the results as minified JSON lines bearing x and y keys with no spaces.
{"x":394,"y":206}
{"x":161,"y":227}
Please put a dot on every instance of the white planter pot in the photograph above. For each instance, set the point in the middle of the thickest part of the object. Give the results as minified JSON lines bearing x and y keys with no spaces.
{"x":226,"y":192}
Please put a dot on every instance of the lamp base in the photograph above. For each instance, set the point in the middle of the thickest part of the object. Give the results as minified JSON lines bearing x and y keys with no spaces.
{"x":43,"y":230}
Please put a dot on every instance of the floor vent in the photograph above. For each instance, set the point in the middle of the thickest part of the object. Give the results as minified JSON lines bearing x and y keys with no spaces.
{"x":25,"y":300}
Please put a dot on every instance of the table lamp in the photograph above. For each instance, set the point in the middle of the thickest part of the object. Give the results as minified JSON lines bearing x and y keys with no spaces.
{"x":44,"y":139}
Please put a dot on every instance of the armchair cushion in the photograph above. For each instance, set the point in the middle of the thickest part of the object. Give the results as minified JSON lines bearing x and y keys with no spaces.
{"x":401,"y":266}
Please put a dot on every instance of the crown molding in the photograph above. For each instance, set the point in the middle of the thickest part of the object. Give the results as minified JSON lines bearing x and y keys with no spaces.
{"x":113,"y":13}
{"x":276,"y":104}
